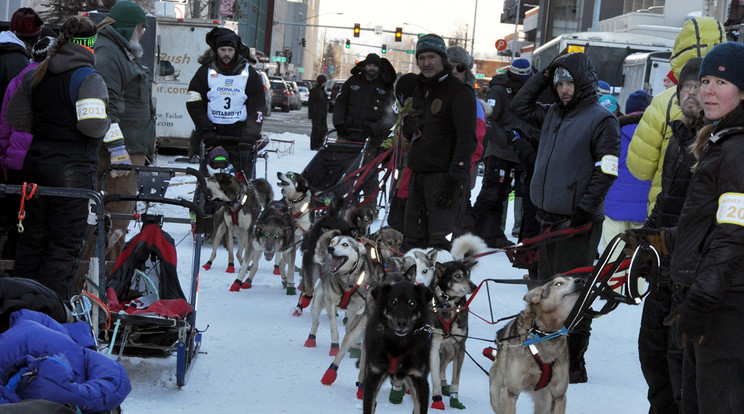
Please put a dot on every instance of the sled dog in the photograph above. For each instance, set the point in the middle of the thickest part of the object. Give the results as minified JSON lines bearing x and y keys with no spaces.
{"x":540,"y":369}
{"x":467,"y":245}
{"x":296,"y":193}
{"x":396,"y":342}
{"x":273,"y":234}
{"x":241,"y":204}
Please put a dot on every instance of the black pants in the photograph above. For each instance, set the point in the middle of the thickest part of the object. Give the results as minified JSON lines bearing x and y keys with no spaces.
{"x":319,"y":131}
{"x":426,"y":225}
{"x":488,"y":209}
{"x":661,"y":362}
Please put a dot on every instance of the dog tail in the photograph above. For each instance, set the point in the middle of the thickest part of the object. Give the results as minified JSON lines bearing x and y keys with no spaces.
{"x":467,"y":245}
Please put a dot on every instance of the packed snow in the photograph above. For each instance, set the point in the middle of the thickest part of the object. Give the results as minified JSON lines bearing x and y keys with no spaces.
{"x":253,"y":360}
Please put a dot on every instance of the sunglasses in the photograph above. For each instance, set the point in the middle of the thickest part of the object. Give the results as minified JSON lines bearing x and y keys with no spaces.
{"x":460,"y":67}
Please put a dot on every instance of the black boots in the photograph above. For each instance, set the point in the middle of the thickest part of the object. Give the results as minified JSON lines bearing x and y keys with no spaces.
{"x":577,"y":345}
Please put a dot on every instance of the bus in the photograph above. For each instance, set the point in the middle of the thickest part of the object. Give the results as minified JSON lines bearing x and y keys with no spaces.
{"x":607,"y":50}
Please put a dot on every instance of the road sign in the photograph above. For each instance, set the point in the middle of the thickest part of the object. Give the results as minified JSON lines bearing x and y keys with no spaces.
{"x":378,"y":30}
{"x":501,"y":45}
{"x":480,"y":76}
{"x":411,"y":52}
{"x":278,"y":59}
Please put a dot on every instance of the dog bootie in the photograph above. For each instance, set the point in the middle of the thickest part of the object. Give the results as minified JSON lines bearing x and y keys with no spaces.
{"x":396,"y":396}
{"x":305,"y":301}
{"x":230,"y":268}
{"x":246,"y":285}
{"x":207,"y":266}
{"x":490,"y":353}
{"x":446,"y":389}
{"x":455,"y":403}
{"x":355,"y":353}
{"x":235,"y":287}
{"x":291,"y":291}
{"x":297,"y":312}
{"x":330,"y":375}
{"x":334,"y":350}
{"x":437,"y":403}
{"x":360,"y":391}
{"x":310,"y":343}
{"x":276,"y":270}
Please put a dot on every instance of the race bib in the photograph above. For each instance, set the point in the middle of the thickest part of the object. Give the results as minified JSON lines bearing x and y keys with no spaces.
{"x":731,"y":209}
{"x":90,"y":108}
{"x":609,"y":165}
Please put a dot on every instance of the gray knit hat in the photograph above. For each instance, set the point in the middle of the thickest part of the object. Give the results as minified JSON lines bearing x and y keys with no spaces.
{"x":455,"y":55}
{"x":431,"y":43}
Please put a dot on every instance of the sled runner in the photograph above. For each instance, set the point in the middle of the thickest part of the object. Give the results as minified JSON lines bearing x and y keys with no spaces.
{"x":149,"y":311}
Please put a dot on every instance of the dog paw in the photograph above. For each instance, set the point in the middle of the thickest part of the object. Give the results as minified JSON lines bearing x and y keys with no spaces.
{"x":291,"y":291}
{"x":445,"y":389}
{"x":310,"y":343}
{"x":437,"y":403}
{"x":246,"y":285}
{"x":355,"y":353}
{"x":230,"y":269}
{"x":276,"y":270}
{"x":207,"y":266}
{"x":306,"y":301}
{"x":360,"y":391}
{"x":334,"y":350}
{"x":396,"y":396}
{"x":297,"y":312}
{"x":330,"y":375}
{"x":235,"y":287}
{"x":455,"y":403}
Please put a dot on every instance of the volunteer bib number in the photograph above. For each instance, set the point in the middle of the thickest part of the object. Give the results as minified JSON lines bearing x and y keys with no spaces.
{"x":731,"y":209}
{"x":609,"y":165}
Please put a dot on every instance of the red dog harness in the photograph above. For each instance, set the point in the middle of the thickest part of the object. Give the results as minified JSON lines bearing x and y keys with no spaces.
{"x":546,"y":370}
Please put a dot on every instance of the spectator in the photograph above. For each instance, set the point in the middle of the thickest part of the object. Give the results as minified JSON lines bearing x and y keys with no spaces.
{"x":440,"y":157}
{"x":15,"y":44}
{"x":707,"y":245}
{"x":698,"y":35}
{"x":576,"y":164}
{"x":625,"y":204}
{"x":317,"y":111}
{"x":130,"y":108}
{"x":501,"y":162}
{"x":661,"y":360}
{"x":603,"y":88}
{"x":461,"y":63}
{"x":225,"y":80}
{"x":67,"y":110}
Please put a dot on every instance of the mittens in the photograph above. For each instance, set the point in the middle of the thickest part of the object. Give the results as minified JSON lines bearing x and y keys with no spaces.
{"x":448,"y":193}
{"x":693,"y":319}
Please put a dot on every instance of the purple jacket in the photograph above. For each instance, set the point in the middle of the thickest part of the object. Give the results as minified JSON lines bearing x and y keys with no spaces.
{"x":13,"y":144}
{"x":627,"y":199}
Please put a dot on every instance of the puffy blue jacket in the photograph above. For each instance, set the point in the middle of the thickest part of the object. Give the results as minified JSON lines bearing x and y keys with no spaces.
{"x":43,"y":359}
{"x":627,"y":198}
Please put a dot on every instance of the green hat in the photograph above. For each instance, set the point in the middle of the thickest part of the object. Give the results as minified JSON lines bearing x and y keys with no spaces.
{"x":127,"y":13}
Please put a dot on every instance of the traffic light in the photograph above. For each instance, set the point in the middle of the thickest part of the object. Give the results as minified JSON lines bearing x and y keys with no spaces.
{"x":384,"y":48}
{"x":357,"y":29}
{"x":398,"y":34}
{"x":303,"y":42}
{"x":348,"y":43}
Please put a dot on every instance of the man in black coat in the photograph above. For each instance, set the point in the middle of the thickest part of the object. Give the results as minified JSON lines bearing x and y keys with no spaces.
{"x":15,"y":44}
{"x":439,"y":157}
{"x":317,"y":111}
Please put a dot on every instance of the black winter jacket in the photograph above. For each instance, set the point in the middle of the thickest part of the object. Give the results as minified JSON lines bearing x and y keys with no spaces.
{"x":364,"y":104}
{"x":708,"y":251}
{"x":250,"y":129}
{"x":317,"y":102}
{"x":502,"y":121}
{"x":447,"y":138}
{"x":579,"y":142}
{"x":13,"y":58}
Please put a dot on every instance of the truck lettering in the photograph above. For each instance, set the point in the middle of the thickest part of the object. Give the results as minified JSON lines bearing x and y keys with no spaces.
{"x":184,"y":59}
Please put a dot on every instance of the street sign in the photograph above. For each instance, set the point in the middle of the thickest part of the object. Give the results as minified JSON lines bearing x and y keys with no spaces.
{"x":278,"y":59}
{"x":331,"y":69}
{"x":501,"y":45}
{"x":480,"y":76}
{"x":411,"y":52}
{"x":378,"y":30}
{"x":300,"y":69}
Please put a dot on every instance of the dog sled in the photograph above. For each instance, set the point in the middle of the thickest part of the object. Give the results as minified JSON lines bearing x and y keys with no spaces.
{"x":149,"y":312}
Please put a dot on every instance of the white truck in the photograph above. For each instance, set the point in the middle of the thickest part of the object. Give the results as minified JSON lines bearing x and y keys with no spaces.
{"x":644,"y":71}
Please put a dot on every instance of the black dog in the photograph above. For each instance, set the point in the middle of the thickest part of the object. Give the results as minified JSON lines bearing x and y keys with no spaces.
{"x":397,"y":344}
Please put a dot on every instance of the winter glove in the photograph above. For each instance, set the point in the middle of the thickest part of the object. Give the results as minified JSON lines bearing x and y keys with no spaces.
{"x":693,"y":319}
{"x":342,"y":130}
{"x":119,"y":156}
{"x":411,"y":123}
{"x":580,"y":217}
{"x":655,"y":237}
{"x":448,"y":193}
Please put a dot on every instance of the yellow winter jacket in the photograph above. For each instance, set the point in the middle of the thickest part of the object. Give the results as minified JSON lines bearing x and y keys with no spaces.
{"x":649,"y":143}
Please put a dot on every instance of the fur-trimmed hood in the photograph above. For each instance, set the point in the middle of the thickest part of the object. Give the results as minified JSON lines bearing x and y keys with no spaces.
{"x":387,"y":71}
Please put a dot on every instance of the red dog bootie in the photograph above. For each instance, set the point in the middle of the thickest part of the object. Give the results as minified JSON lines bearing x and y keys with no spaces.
{"x":330,"y":375}
{"x":235,"y":287}
{"x":310,"y":343}
{"x":207,"y":266}
{"x":437,"y":403}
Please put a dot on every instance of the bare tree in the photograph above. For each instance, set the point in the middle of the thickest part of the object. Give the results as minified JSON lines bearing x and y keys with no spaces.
{"x":333,"y":56}
{"x":57,"y":11}
{"x":458,"y":36}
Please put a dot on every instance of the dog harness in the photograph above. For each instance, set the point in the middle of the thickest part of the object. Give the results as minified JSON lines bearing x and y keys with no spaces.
{"x":346,"y":297}
{"x":546,"y":370}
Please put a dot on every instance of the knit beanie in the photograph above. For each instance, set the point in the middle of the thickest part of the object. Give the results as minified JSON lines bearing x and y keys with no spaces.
{"x":372,"y":58}
{"x":404,"y":87}
{"x":522,"y":69}
{"x":562,"y":74}
{"x":724,"y":61}
{"x":26,"y":22}
{"x":603,"y":88}
{"x":128,"y":15}
{"x":638,"y":101}
{"x":689,"y":72}
{"x":608,"y":102}
{"x":42,"y":48}
{"x":431,"y":43}
{"x":219,"y":36}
